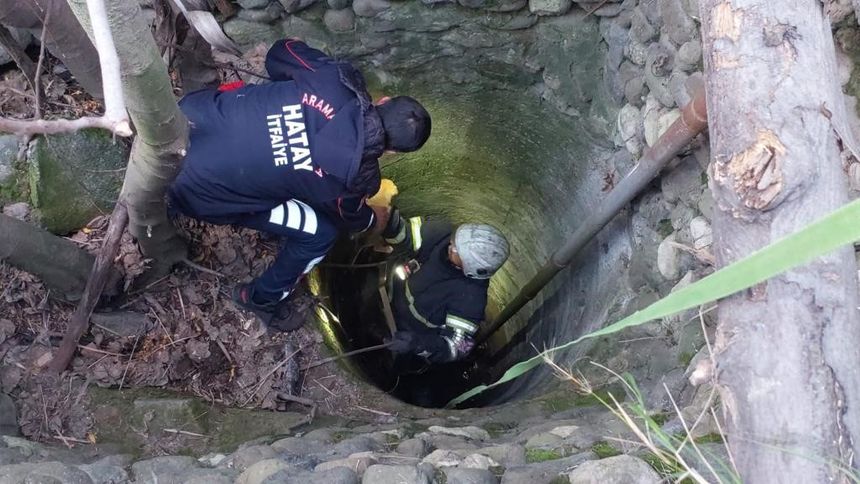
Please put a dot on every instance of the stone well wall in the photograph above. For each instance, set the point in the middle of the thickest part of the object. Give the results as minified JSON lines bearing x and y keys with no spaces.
{"x":539,"y":108}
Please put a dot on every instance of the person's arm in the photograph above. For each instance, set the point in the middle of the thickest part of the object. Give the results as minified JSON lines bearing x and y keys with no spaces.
{"x":288,"y":57}
{"x":415,"y":236}
{"x":450,"y":343}
{"x":353,"y":215}
{"x":402,"y":234}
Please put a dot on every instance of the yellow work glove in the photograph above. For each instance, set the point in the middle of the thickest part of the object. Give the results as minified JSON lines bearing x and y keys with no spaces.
{"x":387,"y":191}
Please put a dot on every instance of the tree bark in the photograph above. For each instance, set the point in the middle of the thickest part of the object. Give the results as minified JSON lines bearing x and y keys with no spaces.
{"x":65,"y":39}
{"x":38,"y":252}
{"x":786,"y":350}
{"x":95,"y":284}
{"x":162,"y":132}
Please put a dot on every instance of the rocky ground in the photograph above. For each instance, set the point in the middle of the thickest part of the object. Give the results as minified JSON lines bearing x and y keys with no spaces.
{"x":183,"y":333}
{"x":588,"y":446}
{"x":180,"y":333}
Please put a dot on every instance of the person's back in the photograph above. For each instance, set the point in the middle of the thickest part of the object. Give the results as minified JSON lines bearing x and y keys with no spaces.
{"x":296,"y":158}
{"x":302,"y":136}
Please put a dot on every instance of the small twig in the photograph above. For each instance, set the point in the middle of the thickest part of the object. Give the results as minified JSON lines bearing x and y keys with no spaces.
{"x":44,"y":407}
{"x":37,"y":81}
{"x":200,"y":268}
{"x":324,"y":387}
{"x":269,"y":374}
{"x":105,"y":329}
{"x":184,"y":432}
{"x":725,"y":441}
{"x":175,"y":342}
{"x":66,"y":440}
{"x":292,"y":398}
{"x":181,"y":304}
{"x":377,"y":412}
{"x":345,"y":355}
{"x":163,"y":328}
{"x":134,"y":347}
{"x":97,"y":361}
{"x":224,"y":350}
{"x":141,"y":291}
{"x":688,"y":430}
{"x":96,"y":350}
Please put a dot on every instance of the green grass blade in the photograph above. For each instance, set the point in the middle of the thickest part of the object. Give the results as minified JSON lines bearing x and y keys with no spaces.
{"x":818,"y":238}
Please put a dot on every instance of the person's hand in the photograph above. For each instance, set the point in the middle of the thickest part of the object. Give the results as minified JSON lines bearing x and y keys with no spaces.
{"x":381,"y":214}
{"x":402,"y":342}
{"x":381,"y":247}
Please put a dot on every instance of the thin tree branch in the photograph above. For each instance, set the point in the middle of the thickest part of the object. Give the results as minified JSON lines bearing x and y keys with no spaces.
{"x":345,"y":355}
{"x":22,"y":127}
{"x":115,"y":118}
{"x":109,"y":62}
{"x":37,"y":78}
{"x":95,"y":284}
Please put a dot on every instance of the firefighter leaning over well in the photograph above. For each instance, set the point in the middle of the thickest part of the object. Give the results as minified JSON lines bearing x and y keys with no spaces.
{"x":439,"y":286}
{"x":295,"y":158}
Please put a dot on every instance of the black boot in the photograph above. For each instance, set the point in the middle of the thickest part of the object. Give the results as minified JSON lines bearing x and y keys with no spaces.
{"x":243,"y":296}
{"x":292,"y":313}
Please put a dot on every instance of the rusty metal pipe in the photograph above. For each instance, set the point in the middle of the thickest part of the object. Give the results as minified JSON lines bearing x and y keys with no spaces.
{"x":693,"y":120}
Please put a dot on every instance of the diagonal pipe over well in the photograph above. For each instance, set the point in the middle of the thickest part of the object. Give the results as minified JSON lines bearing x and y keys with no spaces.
{"x":693,"y":120}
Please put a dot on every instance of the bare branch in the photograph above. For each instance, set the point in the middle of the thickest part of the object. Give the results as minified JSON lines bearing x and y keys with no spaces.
{"x":109,"y":62}
{"x":23,"y":127}
{"x":37,"y":81}
{"x":95,"y":284}
{"x":115,"y":118}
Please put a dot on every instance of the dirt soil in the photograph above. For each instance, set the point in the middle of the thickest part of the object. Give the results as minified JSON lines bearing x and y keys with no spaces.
{"x":181,"y":333}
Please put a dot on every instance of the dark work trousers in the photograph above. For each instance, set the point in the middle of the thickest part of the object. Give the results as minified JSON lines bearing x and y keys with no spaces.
{"x":307,"y":236}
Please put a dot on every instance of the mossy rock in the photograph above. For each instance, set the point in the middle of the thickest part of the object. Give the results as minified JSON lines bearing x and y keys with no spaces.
{"x":120,"y":415}
{"x":13,"y":184}
{"x":498,"y":429}
{"x":604,"y":449}
{"x":247,"y":34}
{"x":75,"y":177}
{"x":847,"y":36}
{"x":559,"y":401}
{"x":535,"y":455}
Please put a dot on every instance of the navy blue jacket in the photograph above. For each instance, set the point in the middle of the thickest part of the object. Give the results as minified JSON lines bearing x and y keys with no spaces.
{"x":311,"y":134}
{"x":438,"y":303}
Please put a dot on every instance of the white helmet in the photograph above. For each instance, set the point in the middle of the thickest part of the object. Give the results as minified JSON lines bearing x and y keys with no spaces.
{"x":482,"y":248}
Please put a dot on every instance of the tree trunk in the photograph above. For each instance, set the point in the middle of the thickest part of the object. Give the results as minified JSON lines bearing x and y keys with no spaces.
{"x":786,"y":350}
{"x":162,"y":132}
{"x":65,"y":39}
{"x":38,"y":252}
